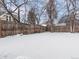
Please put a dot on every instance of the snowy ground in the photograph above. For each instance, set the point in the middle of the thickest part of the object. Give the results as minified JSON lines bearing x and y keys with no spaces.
{"x":40,"y":46}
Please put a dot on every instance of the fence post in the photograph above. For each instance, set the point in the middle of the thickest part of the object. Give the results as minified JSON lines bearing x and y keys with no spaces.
{"x":0,"y":28}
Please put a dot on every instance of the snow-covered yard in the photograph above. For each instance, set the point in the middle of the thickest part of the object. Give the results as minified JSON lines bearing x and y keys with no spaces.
{"x":40,"y":46}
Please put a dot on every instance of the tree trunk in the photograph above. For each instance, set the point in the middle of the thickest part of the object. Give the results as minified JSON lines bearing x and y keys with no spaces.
{"x":19,"y":14}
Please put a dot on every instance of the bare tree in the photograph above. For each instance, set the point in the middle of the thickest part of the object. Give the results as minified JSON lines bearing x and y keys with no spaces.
{"x":25,"y":12}
{"x":51,"y":11}
{"x":32,"y":18}
{"x":71,"y":9}
{"x":2,"y":10}
{"x":17,"y":7}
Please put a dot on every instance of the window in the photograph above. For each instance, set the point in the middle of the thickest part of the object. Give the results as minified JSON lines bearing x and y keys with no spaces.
{"x":9,"y":18}
{"x":6,"y":18}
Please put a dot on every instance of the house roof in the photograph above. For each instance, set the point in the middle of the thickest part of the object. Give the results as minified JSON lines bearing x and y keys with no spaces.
{"x":43,"y":25}
{"x":61,"y":24}
{"x":3,"y":14}
{"x":64,"y":19}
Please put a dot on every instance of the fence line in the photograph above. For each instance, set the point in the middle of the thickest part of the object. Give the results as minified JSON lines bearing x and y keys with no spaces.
{"x":11,"y":28}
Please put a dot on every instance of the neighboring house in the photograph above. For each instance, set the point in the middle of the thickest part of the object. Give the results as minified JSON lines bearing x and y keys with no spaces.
{"x":61,"y":24}
{"x":65,"y":19}
{"x":46,"y":23}
{"x":71,"y":22}
{"x":8,"y":17}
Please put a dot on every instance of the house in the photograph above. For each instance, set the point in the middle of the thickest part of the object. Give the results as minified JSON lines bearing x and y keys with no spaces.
{"x":7,"y":17}
{"x":64,"y":19}
{"x":71,"y":22}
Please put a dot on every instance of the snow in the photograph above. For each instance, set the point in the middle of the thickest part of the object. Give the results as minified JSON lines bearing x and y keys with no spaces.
{"x":61,"y":24}
{"x":40,"y":46}
{"x":43,"y":25}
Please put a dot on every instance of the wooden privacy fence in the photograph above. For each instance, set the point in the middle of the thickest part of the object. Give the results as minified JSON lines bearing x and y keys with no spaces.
{"x":65,"y":28}
{"x":61,"y":29}
{"x":12,"y":28}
